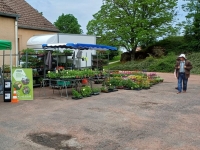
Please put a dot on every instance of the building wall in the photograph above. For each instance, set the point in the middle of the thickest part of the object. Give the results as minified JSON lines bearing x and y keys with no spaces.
{"x":7,"y":32}
{"x":25,"y":34}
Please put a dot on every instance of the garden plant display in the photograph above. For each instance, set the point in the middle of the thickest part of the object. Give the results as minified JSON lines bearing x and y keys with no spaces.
{"x":129,"y":80}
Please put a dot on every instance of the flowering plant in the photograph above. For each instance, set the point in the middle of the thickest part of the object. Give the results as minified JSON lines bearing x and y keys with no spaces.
{"x":86,"y":91}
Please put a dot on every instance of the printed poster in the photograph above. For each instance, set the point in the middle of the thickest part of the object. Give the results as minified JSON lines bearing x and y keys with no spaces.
{"x":22,"y":81}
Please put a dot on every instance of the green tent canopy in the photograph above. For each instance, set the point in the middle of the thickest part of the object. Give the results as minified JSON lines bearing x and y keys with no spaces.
{"x":5,"y":45}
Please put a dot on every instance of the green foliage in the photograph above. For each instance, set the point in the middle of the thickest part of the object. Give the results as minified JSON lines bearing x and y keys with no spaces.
{"x":76,"y":94}
{"x":68,"y":24}
{"x":127,"y":23}
{"x":86,"y":91}
{"x":68,"y":51}
{"x":163,"y":64}
{"x":28,"y":51}
{"x":194,"y":59}
{"x":96,"y":90}
{"x":172,"y":44}
{"x":192,"y":23}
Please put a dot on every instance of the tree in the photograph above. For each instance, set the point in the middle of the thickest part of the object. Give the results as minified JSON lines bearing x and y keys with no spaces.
{"x":132,"y":23}
{"x":68,"y":24}
{"x":192,"y":23}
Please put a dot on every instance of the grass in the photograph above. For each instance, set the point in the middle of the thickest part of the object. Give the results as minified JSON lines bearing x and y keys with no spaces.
{"x":111,"y":65}
{"x":163,"y":64}
{"x":116,"y":58}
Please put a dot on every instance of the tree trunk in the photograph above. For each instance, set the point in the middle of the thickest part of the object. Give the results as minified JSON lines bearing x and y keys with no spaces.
{"x":125,"y":57}
{"x":133,"y":52}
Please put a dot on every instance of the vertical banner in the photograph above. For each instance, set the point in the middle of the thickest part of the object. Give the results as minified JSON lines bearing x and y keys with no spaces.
{"x":22,"y":81}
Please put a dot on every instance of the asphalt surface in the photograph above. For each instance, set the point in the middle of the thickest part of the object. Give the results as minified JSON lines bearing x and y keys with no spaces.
{"x":154,"y":119}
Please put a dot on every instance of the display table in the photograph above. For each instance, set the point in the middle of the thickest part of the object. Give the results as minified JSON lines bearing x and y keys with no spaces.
{"x":61,"y":84}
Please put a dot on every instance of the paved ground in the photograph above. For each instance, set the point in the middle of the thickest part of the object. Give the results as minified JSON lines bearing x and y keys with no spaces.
{"x":154,"y":119}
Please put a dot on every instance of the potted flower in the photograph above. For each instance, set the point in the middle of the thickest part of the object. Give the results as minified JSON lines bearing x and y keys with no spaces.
{"x":86,"y":91}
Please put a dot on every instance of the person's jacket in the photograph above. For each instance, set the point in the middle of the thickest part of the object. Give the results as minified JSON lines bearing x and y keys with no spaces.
{"x":187,"y":69}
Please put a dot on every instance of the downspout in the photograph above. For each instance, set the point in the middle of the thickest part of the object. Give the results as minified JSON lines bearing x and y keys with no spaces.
{"x":16,"y":42}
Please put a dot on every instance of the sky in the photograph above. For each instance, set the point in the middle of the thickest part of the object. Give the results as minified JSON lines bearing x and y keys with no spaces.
{"x":83,"y":10}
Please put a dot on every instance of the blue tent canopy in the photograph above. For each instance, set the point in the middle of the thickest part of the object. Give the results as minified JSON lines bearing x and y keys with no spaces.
{"x":80,"y":46}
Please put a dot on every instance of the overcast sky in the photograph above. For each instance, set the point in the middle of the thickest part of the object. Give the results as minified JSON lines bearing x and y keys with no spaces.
{"x":81,"y":9}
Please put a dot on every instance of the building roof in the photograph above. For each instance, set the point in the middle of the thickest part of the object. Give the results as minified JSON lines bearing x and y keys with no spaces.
{"x":5,"y":9}
{"x":29,"y":17}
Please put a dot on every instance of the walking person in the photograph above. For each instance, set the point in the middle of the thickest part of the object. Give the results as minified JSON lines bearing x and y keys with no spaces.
{"x":183,"y":67}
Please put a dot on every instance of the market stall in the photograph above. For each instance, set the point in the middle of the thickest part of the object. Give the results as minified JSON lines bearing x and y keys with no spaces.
{"x":79,"y":47}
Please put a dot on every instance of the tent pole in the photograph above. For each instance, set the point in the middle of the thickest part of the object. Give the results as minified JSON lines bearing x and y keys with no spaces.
{"x":16,"y":41}
{"x":26,"y":59}
{"x":108,"y":67}
{"x":3,"y":64}
{"x":11,"y":65}
{"x":86,"y":59}
{"x":97,"y":62}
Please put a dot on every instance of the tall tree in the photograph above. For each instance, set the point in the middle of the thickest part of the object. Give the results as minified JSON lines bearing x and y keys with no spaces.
{"x":68,"y":24}
{"x":192,"y":23}
{"x":132,"y":23}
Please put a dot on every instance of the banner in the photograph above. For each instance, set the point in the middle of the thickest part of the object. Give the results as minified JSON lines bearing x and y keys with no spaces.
{"x":22,"y":81}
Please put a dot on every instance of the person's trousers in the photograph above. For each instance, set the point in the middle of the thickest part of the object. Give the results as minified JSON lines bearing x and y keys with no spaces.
{"x":182,"y":82}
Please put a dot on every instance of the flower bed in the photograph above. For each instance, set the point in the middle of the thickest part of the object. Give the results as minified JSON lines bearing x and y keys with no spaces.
{"x":133,"y":80}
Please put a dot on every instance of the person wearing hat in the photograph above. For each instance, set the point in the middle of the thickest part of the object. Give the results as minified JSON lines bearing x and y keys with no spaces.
{"x":183,"y":67}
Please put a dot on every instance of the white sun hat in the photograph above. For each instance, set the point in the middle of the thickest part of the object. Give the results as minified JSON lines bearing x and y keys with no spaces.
{"x":182,"y":55}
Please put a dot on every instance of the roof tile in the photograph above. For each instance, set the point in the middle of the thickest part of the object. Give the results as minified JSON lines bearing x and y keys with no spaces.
{"x":5,"y":8}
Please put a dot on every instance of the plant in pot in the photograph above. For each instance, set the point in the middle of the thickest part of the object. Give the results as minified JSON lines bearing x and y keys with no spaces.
{"x":41,"y":52}
{"x":120,"y":85}
{"x":86,"y":91}
{"x":96,"y":91}
{"x":146,"y":84}
{"x":35,"y":73}
{"x":57,"y":52}
{"x":28,"y":51}
{"x":53,"y":75}
{"x":6,"y":68}
{"x":128,"y":84}
{"x":68,"y":52}
{"x":76,"y":94}
{"x":111,"y":88}
{"x":104,"y":89}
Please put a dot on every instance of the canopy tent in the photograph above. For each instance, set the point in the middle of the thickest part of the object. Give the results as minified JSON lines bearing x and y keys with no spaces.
{"x":6,"y":45}
{"x":80,"y":46}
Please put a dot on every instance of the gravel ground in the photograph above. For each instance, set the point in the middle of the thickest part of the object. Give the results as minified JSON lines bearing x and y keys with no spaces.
{"x":154,"y":119}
